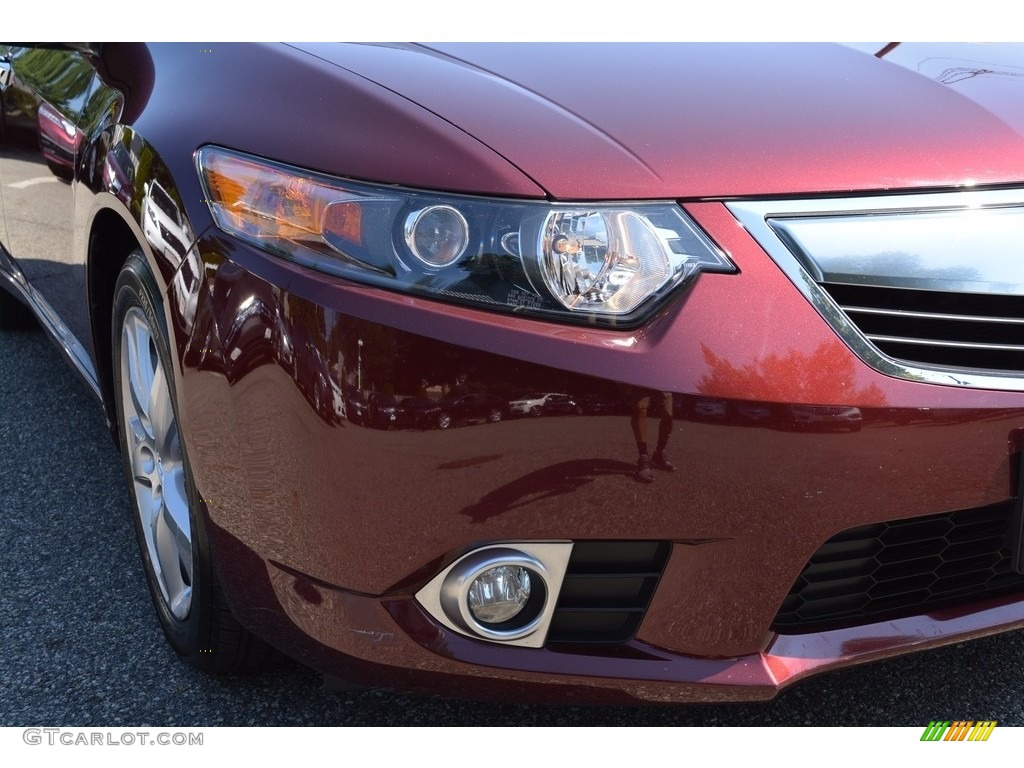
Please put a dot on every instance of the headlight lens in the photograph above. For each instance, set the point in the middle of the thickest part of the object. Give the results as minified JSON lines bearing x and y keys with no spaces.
{"x":437,"y":235}
{"x":609,"y":262}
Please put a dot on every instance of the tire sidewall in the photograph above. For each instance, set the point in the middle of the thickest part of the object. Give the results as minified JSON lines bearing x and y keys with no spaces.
{"x":190,"y":636}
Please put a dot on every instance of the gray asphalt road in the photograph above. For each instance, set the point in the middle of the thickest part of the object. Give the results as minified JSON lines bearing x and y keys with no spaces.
{"x":79,"y":645}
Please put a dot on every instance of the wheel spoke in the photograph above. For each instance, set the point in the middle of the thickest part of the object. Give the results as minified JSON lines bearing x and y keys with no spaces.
{"x":138,"y":432}
{"x":176,"y":509}
{"x":166,"y":539}
{"x":141,"y":369}
{"x":180,"y":604}
{"x":144,"y":496}
{"x":157,"y":463}
{"x":161,"y":413}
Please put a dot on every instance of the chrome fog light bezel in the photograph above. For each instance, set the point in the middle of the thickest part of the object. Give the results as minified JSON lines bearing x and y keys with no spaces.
{"x":445,"y":597}
{"x":457,"y":584}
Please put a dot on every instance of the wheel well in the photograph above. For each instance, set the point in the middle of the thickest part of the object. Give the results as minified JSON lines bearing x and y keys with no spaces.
{"x":111,"y":241}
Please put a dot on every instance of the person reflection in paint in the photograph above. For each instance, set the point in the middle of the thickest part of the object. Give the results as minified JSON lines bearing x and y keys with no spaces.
{"x":647,"y":463}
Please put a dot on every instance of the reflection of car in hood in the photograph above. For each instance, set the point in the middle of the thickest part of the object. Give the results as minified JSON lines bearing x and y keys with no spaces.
{"x":119,"y":171}
{"x":710,"y":408}
{"x":356,"y":408}
{"x":468,"y":408}
{"x":338,"y":400}
{"x":830,"y":418}
{"x":601,"y":405}
{"x":163,"y":223}
{"x":58,"y":140}
{"x":418,"y":413}
{"x":423,"y":413}
{"x":383,"y":410}
{"x":546,"y":404}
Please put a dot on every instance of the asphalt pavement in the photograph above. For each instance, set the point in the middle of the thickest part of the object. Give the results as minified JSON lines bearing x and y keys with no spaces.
{"x":80,"y":646}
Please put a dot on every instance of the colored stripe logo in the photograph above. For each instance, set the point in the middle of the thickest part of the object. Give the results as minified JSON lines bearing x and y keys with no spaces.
{"x":958,"y":730}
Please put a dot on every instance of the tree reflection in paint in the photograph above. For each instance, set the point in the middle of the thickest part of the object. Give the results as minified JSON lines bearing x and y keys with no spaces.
{"x":820,"y":377}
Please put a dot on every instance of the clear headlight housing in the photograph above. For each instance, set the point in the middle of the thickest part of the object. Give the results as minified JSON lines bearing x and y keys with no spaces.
{"x":609,"y":262}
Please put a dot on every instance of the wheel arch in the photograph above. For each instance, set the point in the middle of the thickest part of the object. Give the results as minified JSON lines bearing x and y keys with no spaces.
{"x":117,"y":229}
{"x":111,"y":242}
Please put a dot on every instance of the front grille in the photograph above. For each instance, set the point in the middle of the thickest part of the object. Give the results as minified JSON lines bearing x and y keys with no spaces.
{"x":903,"y":567}
{"x":938,"y":328}
{"x":930,"y":284}
{"x":606,"y":591}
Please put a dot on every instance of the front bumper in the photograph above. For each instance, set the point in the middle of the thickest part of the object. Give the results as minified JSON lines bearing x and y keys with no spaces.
{"x":324,"y":529}
{"x":391,"y":643}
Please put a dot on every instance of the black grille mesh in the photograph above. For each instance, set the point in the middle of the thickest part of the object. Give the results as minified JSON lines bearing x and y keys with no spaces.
{"x":905,"y":566}
{"x":606,"y":590}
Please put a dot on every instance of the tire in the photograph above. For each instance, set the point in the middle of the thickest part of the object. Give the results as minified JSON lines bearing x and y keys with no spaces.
{"x":13,"y":314}
{"x":172,"y":539}
{"x":494,"y":415}
{"x":444,"y":421}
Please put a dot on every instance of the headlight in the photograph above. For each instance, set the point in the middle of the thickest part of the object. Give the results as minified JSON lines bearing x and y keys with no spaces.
{"x":591,"y":261}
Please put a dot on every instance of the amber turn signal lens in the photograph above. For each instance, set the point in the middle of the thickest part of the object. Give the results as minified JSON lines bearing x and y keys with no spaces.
{"x":345,"y":221}
{"x":269,"y":203}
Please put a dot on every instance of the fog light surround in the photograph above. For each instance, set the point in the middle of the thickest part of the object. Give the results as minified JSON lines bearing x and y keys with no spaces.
{"x":502,"y":593}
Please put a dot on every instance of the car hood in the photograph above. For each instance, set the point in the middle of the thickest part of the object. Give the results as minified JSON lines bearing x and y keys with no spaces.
{"x":701,"y":120}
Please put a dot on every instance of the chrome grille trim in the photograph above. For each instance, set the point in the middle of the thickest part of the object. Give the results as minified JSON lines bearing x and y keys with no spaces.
{"x":757,"y":216}
{"x":929,"y":315}
{"x":939,"y":343}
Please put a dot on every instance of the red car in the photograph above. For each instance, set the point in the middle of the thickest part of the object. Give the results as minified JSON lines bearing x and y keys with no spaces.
{"x":821,"y":241}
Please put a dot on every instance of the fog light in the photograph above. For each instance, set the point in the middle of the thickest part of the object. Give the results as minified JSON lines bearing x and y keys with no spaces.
{"x":504,"y":593}
{"x":499,"y":594}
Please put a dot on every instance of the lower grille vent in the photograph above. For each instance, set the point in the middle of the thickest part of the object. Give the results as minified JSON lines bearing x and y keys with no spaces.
{"x":606,"y":590}
{"x":889,"y":569}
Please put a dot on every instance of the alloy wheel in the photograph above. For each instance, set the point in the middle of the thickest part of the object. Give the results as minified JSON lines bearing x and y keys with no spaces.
{"x":157,"y":462}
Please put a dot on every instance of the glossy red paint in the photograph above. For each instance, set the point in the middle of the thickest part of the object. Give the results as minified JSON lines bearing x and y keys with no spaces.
{"x":760,"y":501}
{"x":323,"y":529}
